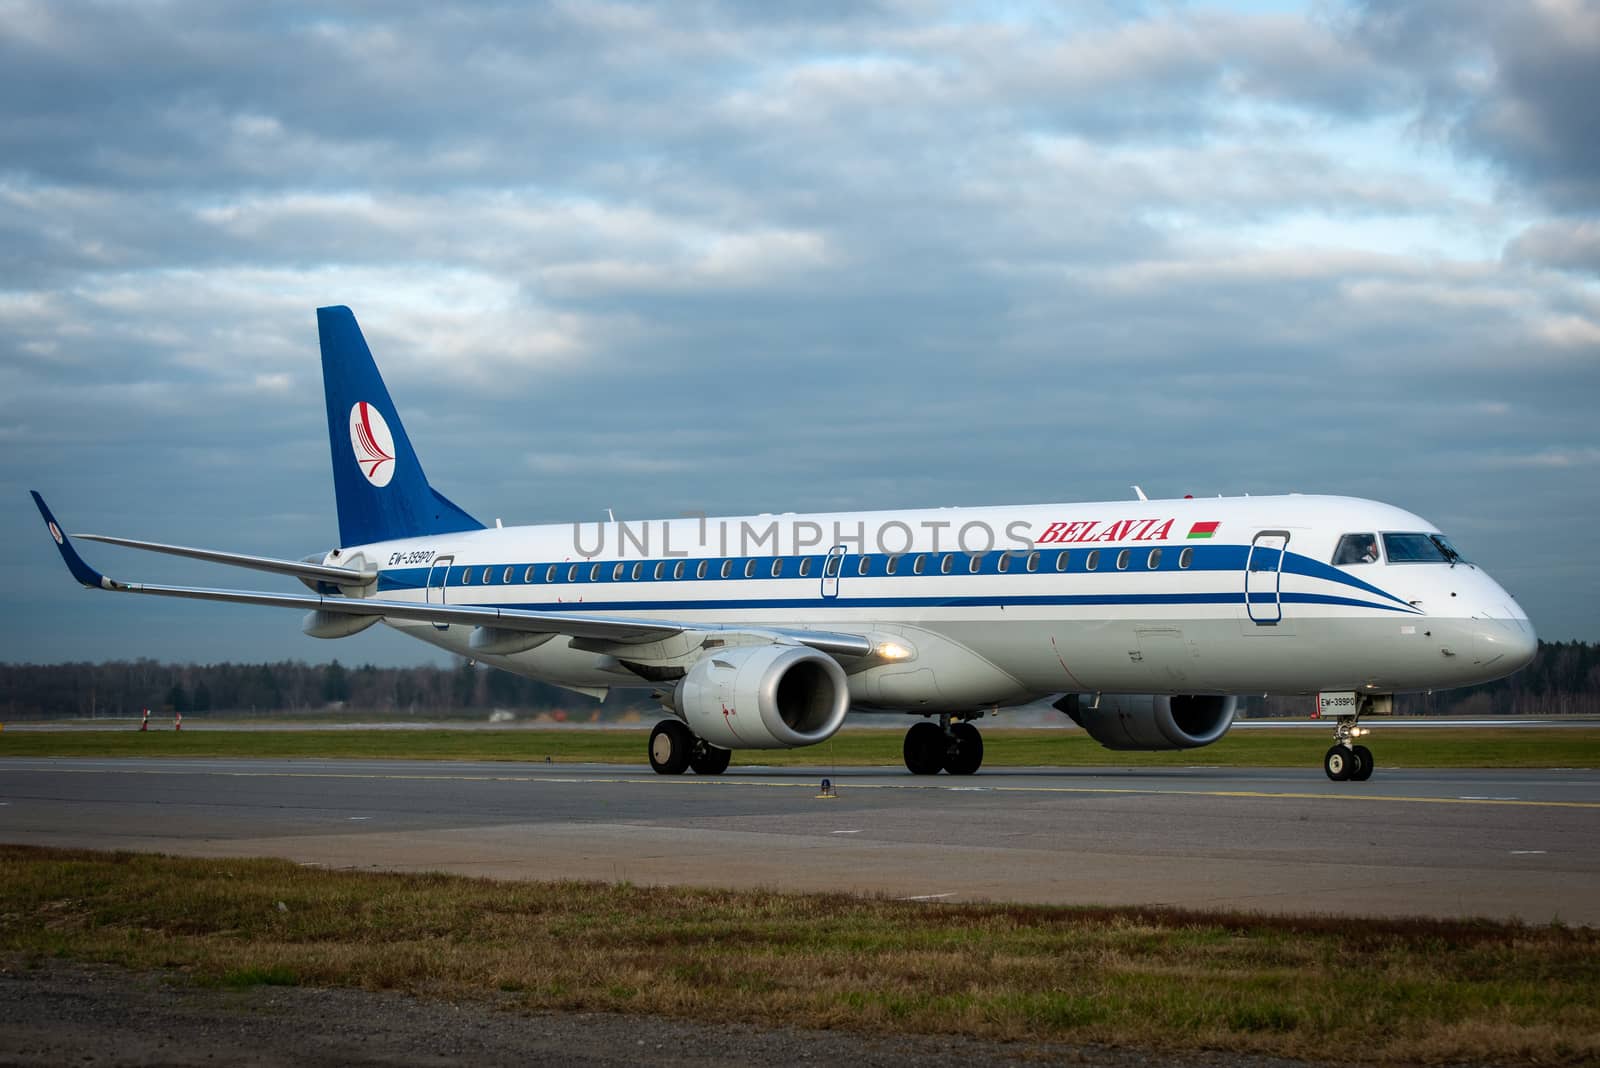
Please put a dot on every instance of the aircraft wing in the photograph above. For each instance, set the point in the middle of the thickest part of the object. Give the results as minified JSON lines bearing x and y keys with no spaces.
{"x":595,"y":628}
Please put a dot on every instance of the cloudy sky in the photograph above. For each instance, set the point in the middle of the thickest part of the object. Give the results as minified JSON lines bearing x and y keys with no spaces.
{"x":704,"y":256}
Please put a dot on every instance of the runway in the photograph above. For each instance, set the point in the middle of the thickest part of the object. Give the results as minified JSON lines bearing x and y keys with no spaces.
{"x":1502,"y":844}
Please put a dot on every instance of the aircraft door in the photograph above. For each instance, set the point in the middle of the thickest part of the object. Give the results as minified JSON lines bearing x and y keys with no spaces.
{"x":1263,"y":577}
{"x":439,"y":583}
{"x":832,"y":565}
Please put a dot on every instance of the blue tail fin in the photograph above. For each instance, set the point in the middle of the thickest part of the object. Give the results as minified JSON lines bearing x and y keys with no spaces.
{"x":379,"y":484}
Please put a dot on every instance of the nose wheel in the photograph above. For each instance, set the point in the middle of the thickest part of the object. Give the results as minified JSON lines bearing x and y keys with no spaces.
{"x":1346,"y":761}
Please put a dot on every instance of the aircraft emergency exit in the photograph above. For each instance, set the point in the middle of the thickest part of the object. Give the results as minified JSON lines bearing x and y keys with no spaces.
{"x":1145,"y":619}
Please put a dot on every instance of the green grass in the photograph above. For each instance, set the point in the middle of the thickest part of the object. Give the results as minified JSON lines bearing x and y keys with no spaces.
{"x":1324,"y":987}
{"x":268,"y":975}
{"x":1488,"y":747}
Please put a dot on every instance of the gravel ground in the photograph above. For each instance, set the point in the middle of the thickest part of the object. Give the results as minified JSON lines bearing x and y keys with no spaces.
{"x":64,"y":1013}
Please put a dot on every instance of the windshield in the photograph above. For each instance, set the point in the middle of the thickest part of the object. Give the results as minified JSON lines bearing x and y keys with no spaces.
{"x":1356,"y":549}
{"x":1420,"y":549}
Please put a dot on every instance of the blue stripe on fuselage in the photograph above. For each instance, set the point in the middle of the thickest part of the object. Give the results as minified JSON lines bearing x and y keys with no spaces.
{"x":812,"y":603}
{"x":1208,"y":558}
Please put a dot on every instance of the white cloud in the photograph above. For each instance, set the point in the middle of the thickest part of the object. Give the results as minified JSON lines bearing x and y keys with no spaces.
{"x":711,"y":256}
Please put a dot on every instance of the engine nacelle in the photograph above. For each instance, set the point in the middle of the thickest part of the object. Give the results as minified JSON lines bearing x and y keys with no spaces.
{"x":764,"y":697}
{"x":1146,"y":721}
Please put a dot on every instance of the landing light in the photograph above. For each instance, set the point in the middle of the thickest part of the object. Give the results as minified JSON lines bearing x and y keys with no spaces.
{"x":891,"y":651}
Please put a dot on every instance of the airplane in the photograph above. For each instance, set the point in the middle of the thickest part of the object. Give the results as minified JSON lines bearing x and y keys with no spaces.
{"x":1145,"y":620}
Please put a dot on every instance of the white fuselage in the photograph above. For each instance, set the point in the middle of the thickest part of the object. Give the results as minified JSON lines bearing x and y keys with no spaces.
{"x":1224,"y":596}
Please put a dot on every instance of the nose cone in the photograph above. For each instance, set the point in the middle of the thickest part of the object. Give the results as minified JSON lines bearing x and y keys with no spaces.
{"x":1505,"y":642}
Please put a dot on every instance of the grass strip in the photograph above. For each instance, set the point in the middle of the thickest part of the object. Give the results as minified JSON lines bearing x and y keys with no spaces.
{"x":1487,"y":747}
{"x":1330,"y":988}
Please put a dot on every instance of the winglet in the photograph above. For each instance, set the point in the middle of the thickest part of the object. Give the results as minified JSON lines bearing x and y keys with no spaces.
{"x":80,"y":570}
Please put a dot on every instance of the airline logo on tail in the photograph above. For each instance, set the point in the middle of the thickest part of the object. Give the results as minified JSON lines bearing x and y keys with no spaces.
{"x":373,"y":444}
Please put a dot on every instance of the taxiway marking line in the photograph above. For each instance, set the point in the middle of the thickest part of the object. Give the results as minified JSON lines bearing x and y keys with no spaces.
{"x":1286,"y":795}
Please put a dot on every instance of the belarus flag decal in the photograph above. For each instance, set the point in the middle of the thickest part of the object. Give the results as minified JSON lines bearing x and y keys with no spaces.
{"x":1202,"y":530}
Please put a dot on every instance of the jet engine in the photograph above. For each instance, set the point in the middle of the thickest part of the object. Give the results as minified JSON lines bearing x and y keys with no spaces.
{"x":764,"y":697}
{"x":1146,"y":721}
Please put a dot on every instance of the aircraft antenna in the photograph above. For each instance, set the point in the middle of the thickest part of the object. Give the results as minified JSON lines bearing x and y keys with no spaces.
{"x":1140,"y":493}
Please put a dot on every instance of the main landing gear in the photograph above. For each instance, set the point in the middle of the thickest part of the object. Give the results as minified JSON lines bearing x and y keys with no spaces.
{"x":1344,"y":760}
{"x":674,"y":749}
{"x":944,"y":746}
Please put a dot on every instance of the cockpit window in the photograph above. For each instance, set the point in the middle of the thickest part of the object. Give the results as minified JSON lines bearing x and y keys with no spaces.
{"x":1420,"y":549}
{"x":1357,"y":549}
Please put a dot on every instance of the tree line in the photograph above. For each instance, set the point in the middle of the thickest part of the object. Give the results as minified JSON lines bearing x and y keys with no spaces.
{"x":285,"y":687}
{"x":1563,"y":679}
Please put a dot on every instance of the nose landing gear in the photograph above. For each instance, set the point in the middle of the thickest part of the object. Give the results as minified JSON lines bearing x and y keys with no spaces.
{"x":1346,"y":760}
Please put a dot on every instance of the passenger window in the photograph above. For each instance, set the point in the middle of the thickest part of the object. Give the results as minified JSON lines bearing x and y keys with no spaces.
{"x":677,"y":571}
{"x":572,"y":573}
{"x":594,"y":573}
{"x":506,"y":576}
{"x":805,"y":567}
{"x":550,"y":573}
{"x":919,"y":564}
{"x":831,"y":569}
{"x":1356,"y":549}
{"x":1033,"y":561}
{"x":750,"y":568}
{"x":702,"y":569}
{"x":466,"y":576}
{"x":975,"y":563}
{"x":1186,"y":558}
{"x":891,"y":565}
{"x":777,"y":567}
{"x":1061,"y":560}
{"x":1092,"y":561}
{"x":727,"y":568}
{"x":616,"y":572}
{"x":527,"y":576}
{"x":865,"y":566}
{"x":1122,"y":560}
{"x":660,"y":564}
{"x":1154,"y":560}
{"x":638,"y":569}
{"x":1003,"y":564}
{"x":946,"y":564}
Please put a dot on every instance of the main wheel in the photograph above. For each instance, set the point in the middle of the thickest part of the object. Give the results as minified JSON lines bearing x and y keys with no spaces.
{"x":1363,"y":769}
{"x":707,"y":759}
{"x":924,"y":748}
{"x":966,"y":755}
{"x":670,"y":745}
{"x":1338,"y":762}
